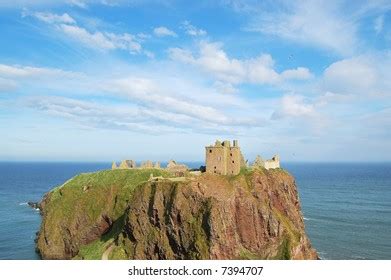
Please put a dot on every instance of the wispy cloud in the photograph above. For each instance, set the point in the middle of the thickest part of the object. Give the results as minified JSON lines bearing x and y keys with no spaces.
{"x":146,"y":104}
{"x":20,"y":71}
{"x":316,"y":23}
{"x":153,"y":94}
{"x":162,"y":31}
{"x":99,"y":40}
{"x":191,"y":29}
{"x":113,"y":117}
{"x":102,"y":41}
{"x":329,"y":26}
{"x":337,"y":83}
{"x":49,"y":17}
{"x":79,"y":3}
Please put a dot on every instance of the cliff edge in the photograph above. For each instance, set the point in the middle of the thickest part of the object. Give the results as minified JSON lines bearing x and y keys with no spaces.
{"x":120,"y":214}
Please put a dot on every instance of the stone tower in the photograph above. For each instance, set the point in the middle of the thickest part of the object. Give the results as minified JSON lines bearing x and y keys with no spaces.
{"x":224,"y":159}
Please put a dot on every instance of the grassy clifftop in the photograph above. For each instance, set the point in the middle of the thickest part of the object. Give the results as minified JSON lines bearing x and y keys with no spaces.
{"x":119,"y":214}
{"x":84,"y":208}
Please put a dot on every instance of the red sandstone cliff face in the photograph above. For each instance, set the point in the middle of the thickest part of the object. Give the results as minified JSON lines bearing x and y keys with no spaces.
{"x":254,"y":215}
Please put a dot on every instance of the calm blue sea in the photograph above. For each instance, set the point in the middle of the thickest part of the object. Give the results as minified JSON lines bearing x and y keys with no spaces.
{"x":347,"y":207}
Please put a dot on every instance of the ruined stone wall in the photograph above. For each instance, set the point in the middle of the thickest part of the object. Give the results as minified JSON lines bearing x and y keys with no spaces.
{"x":270,"y":164}
{"x":127,"y":164}
{"x":216,"y":160}
{"x":224,"y":159}
{"x":234,"y":160}
{"x":146,"y":164}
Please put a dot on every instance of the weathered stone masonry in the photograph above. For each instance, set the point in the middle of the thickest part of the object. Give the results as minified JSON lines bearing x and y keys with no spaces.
{"x":224,"y":159}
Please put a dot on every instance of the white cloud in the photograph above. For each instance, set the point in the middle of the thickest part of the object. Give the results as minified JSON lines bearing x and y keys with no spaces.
{"x":317,"y":23}
{"x":96,"y":40}
{"x":102,"y":41}
{"x":260,"y":70}
{"x":150,"y":93}
{"x":17,"y":71}
{"x":192,"y":30}
{"x":328,"y":25}
{"x":185,"y":104}
{"x":162,"y":31}
{"x":293,"y":106}
{"x":365,"y":74}
{"x":114,"y":117}
{"x":159,"y":95}
{"x":350,"y":74}
{"x":93,"y":40}
{"x":181,"y":55}
{"x":213,"y":59}
{"x":79,"y":3}
{"x":300,"y":73}
{"x":49,"y":17}
{"x":26,"y":79}
{"x":149,"y":108}
{"x":378,"y":24}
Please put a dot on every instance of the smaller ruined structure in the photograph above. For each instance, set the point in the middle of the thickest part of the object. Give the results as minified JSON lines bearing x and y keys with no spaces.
{"x":127,"y":164}
{"x":176,"y":169}
{"x":274,"y":162}
{"x":146,"y":164}
{"x":173,"y":167}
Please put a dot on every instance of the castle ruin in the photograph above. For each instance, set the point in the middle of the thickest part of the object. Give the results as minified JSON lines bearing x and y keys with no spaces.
{"x":173,"y":167}
{"x":224,"y":159}
{"x":131,"y":164}
{"x":220,"y":158}
{"x":268,"y":164}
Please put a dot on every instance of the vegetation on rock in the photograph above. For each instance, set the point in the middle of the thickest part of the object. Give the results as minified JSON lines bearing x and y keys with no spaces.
{"x":120,"y":214}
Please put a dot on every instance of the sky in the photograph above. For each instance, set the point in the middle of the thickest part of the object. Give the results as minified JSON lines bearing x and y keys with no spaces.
{"x":101,"y":80}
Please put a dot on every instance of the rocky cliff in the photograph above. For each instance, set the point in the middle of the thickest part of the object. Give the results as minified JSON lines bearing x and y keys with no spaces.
{"x":119,"y":214}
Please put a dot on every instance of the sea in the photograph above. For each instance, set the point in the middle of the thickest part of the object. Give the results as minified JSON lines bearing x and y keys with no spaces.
{"x":346,"y":206}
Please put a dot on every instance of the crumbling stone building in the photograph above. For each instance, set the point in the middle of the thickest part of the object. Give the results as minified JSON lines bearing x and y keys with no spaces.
{"x":272,"y":163}
{"x":224,"y":159}
{"x":127,"y":164}
{"x":176,"y":169}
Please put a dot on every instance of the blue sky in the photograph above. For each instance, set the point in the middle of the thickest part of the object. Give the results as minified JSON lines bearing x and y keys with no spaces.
{"x":104,"y":80}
